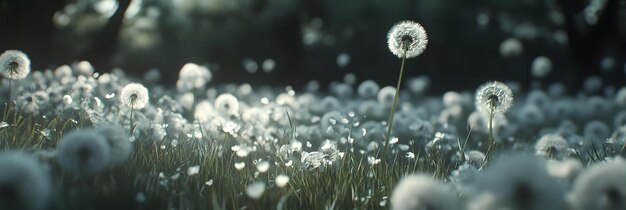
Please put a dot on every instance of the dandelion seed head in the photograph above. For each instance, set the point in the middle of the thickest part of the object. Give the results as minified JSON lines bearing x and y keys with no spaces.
{"x":493,"y":96}
{"x":14,"y":64}
{"x":134,"y":95}
{"x":24,"y":182}
{"x":263,"y":166}
{"x":422,"y":192}
{"x":118,"y":141}
{"x":385,"y":95}
{"x":601,"y":186}
{"x":368,"y":89}
{"x":520,"y":182}
{"x":407,"y":36}
{"x":83,"y":151}
{"x":552,"y":146}
{"x":541,"y":67}
{"x":596,"y":130}
{"x":192,"y":76}
{"x":255,"y":190}
{"x":511,"y":47}
{"x":227,"y":104}
{"x":282,"y":180}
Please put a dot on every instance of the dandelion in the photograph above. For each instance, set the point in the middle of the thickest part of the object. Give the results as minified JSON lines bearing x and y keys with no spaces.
{"x":493,"y":98}
{"x":15,"y":65}
{"x":552,"y":146}
{"x":422,"y":192}
{"x":406,"y":39}
{"x":24,"y":182}
{"x":601,"y":187}
{"x":83,"y":151}
{"x":120,"y":144}
{"x":282,"y":180}
{"x":255,"y":190}
{"x":511,"y":47}
{"x":541,"y":67}
{"x":135,"y":96}
{"x":519,"y":182}
{"x":192,"y":77}
{"x":227,"y":104}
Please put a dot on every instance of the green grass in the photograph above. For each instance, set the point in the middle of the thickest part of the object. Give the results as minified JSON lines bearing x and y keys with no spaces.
{"x":352,"y":184}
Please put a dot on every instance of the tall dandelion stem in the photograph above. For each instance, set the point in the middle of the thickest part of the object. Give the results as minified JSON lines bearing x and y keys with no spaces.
{"x":132,"y":109}
{"x":406,"y":39}
{"x":393,"y":105}
{"x":8,"y":108}
{"x":492,"y":104}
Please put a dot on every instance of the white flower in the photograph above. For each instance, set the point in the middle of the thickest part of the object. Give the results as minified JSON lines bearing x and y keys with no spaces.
{"x":14,"y":64}
{"x":134,"y":95}
{"x":407,"y":36}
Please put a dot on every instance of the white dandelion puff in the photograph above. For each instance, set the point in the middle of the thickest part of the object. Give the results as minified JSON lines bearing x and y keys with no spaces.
{"x":83,"y":151}
{"x":14,"y":64}
{"x":24,"y":182}
{"x":407,"y":38}
{"x":601,"y":187}
{"x":552,"y":146}
{"x":227,"y":104}
{"x":282,"y":180}
{"x":134,"y":95}
{"x":493,"y":97}
{"x":255,"y":190}
{"x":422,"y":192}
{"x":118,"y":141}
{"x":519,"y":182}
{"x":193,"y":76}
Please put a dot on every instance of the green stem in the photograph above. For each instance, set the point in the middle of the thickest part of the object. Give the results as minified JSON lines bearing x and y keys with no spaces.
{"x":393,"y":105}
{"x":131,"y":120}
{"x":490,"y":148}
{"x":8,"y":108}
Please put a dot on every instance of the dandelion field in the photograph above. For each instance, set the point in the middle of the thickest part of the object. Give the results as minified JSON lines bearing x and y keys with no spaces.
{"x":76,"y":137}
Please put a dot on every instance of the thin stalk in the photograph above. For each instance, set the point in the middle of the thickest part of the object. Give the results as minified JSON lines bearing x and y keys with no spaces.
{"x":489,"y":149}
{"x":132,"y":108}
{"x":393,"y":105}
{"x":8,"y":108}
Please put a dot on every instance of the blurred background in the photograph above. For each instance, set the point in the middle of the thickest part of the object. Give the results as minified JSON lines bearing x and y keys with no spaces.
{"x":290,"y":42}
